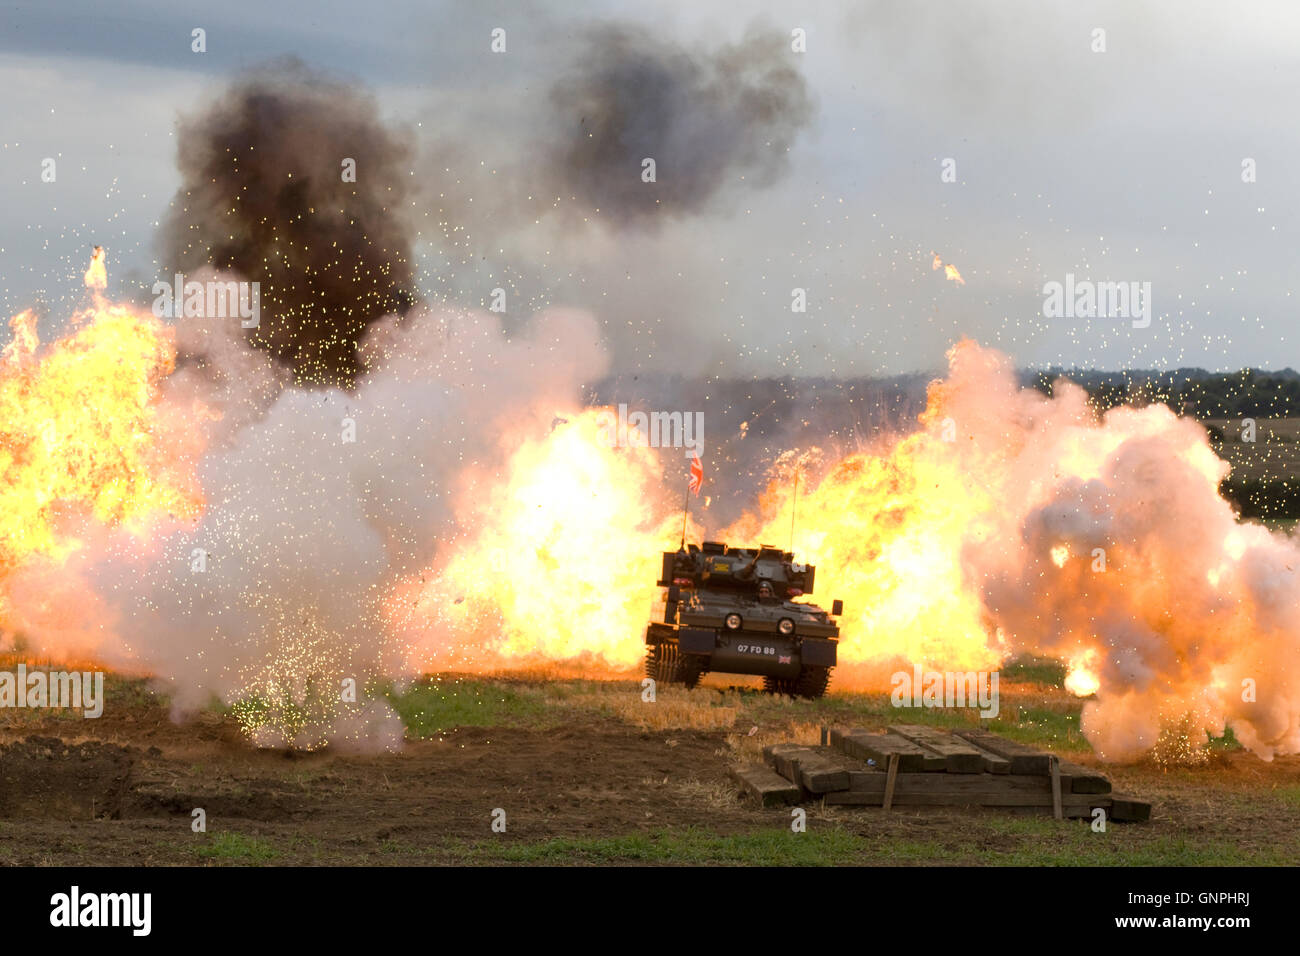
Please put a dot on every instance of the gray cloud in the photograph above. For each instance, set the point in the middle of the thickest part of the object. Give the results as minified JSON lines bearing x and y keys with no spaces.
{"x":1121,"y":165}
{"x":709,"y":119}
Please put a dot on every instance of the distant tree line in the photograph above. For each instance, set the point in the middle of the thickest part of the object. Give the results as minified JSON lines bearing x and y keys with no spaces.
{"x":1248,"y":393}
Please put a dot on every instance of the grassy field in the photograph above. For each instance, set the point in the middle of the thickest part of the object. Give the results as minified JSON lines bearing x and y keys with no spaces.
{"x":1264,"y":484}
{"x":1273,"y":455}
{"x":591,"y":774}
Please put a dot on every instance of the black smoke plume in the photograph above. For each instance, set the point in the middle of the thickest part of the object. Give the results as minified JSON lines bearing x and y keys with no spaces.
{"x":707,"y":118}
{"x":263,"y":195}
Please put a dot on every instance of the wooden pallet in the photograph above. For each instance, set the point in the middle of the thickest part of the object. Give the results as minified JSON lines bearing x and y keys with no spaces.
{"x":912,"y":765}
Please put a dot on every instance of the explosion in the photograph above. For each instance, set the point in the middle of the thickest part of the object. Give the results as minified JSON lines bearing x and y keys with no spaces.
{"x":85,"y":440}
{"x":1012,"y":522}
{"x":882,"y":532}
{"x":557,"y":563}
{"x":1009,"y":522}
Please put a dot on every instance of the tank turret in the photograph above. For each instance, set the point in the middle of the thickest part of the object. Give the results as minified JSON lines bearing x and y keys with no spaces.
{"x":741,"y":611}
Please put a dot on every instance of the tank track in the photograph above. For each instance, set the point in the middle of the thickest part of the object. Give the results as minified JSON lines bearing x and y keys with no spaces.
{"x":810,"y":684}
{"x":663,"y":664}
{"x":693,"y":668}
{"x":667,"y":665}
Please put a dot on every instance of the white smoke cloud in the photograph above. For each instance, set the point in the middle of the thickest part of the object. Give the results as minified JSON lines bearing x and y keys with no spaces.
{"x":304,"y":530}
{"x":1013,"y":522}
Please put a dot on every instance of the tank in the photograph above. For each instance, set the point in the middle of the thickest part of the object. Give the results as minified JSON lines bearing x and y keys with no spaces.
{"x":734,"y":611}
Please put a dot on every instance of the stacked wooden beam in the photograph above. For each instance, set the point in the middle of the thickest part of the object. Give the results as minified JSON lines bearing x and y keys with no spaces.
{"x":911,"y":765}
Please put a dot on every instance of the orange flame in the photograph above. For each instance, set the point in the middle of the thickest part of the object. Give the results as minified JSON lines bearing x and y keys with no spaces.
{"x":1009,"y":522}
{"x":96,"y":276}
{"x":884,"y":534}
{"x":557,"y":564}
{"x":949,"y":270}
{"x":83,"y":437}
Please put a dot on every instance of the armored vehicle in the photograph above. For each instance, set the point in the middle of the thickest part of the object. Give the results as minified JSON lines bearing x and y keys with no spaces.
{"x":732,"y":610}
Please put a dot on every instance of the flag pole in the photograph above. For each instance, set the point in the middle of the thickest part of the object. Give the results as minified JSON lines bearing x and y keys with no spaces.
{"x":692,"y":484}
{"x":686,"y":505}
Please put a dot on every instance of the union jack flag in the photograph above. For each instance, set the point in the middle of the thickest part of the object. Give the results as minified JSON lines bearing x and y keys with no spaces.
{"x":697,"y":475}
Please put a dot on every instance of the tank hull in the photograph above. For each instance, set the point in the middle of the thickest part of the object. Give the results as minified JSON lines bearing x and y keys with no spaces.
{"x":780,"y":659}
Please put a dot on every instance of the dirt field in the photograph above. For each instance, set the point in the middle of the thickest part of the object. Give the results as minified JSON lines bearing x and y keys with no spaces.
{"x":586,"y":773}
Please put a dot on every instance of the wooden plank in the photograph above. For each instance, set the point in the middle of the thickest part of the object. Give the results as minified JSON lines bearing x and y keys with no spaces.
{"x":819,"y":775}
{"x":836,"y":737}
{"x":783,"y":758}
{"x":814,"y":771}
{"x":835,"y":774}
{"x":992,"y":762}
{"x":846,"y":741}
{"x":842,"y":761}
{"x":1024,"y":759}
{"x":1126,"y":809}
{"x":959,"y":755}
{"x":1077,"y":778}
{"x":912,"y":758}
{"x":873,"y":781}
{"x":767,"y":787}
{"x":1084,"y":779}
{"x":891,"y":781}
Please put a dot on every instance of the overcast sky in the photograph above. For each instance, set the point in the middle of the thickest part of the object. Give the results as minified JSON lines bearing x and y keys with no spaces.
{"x":1120,"y":165}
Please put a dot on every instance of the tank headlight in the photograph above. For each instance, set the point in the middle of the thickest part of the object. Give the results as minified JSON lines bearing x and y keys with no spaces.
{"x":785,"y":626}
{"x":733,"y":622}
